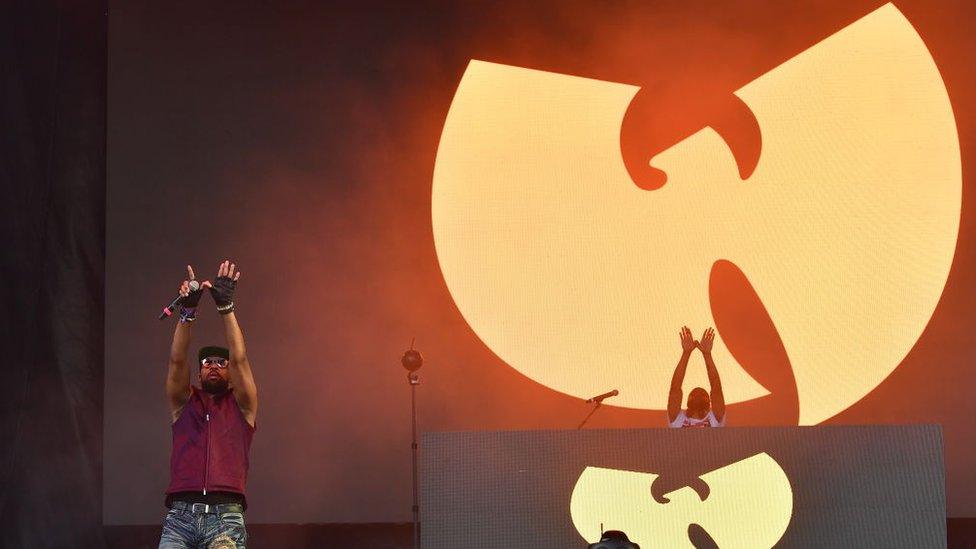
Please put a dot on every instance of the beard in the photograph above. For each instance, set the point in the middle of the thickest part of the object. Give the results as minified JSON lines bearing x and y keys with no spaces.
{"x":214,"y":386}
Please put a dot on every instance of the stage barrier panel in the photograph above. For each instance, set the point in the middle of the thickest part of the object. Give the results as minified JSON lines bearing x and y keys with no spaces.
{"x":827,"y":486}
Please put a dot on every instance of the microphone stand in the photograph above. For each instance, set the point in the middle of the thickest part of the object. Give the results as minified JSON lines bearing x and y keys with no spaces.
{"x":413,"y":378}
{"x":412,"y":360}
{"x":599,"y":402}
{"x":589,"y":415}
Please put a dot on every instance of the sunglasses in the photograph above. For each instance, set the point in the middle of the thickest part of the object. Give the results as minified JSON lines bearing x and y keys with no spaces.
{"x":214,"y":362}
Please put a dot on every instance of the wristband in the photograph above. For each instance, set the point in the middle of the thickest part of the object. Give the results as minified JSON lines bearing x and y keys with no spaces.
{"x":187,"y":314}
{"x":223,"y":294}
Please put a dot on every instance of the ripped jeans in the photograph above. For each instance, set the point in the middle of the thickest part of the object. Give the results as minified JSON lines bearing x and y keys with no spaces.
{"x":183,"y":529}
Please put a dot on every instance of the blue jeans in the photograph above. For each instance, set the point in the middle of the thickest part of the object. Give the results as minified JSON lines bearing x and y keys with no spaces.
{"x":183,"y":529}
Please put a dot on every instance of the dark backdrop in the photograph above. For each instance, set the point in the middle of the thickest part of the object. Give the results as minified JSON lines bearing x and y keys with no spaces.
{"x":52,"y":167}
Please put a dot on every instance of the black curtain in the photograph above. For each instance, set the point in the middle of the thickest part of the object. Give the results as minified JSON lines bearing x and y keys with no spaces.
{"x":53,"y":61}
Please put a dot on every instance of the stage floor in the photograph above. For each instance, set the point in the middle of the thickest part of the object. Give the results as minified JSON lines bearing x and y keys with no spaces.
{"x":961,"y":534}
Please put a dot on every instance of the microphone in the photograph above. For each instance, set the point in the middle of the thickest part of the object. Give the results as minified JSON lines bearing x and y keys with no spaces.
{"x":168,"y":310}
{"x":599,"y":398}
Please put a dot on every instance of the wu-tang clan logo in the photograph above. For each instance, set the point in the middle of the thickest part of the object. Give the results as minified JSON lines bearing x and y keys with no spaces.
{"x":750,"y":503}
{"x":577,"y":278}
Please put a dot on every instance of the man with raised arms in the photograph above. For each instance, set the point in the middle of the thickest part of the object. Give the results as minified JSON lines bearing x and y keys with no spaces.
{"x":212,"y":426}
{"x":704,"y":409}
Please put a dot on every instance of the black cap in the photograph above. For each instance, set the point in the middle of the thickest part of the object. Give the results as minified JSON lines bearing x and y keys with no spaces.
{"x":213,"y":350}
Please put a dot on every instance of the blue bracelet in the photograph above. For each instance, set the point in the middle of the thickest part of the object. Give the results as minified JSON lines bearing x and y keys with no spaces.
{"x":187,"y":314}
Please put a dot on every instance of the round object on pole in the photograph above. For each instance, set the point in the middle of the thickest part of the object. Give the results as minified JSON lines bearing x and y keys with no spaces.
{"x":412,"y":360}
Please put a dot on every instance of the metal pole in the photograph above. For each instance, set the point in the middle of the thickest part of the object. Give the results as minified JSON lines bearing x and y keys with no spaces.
{"x":589,"y":415}
{"x":414,"y":380}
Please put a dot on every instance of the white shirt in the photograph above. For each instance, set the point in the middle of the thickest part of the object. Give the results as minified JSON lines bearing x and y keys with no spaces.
{"x":683,"y":421}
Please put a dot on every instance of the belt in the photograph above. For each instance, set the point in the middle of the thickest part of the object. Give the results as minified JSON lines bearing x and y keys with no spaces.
{"x":217,"y":509}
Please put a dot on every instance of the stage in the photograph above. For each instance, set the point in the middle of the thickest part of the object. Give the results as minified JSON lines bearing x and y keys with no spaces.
{"x":962,"y":535}
{"x":515,"y":270}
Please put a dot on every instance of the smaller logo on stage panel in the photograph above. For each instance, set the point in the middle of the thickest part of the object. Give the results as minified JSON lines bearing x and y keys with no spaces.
{"x":745,"y":504}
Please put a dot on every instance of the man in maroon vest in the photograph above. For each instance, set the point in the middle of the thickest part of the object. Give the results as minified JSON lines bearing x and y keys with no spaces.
{"x":212,"y":427}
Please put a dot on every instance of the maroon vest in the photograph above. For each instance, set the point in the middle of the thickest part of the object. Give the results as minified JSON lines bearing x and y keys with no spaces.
{"x":211,"y":440}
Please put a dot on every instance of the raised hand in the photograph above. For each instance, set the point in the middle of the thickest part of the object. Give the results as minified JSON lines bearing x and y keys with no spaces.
{"x":222,"y":289}
{"x":688,"y":342}
{"x":191,"y":298}
{"x":708,"y":338}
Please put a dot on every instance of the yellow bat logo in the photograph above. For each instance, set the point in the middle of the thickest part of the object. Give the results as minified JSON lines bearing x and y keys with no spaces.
{"x":846,"y":229}
{"x":749,"y":505}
